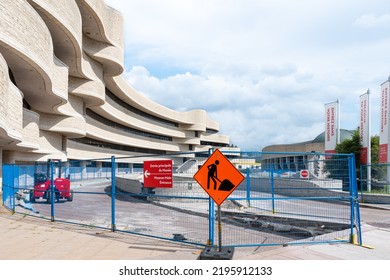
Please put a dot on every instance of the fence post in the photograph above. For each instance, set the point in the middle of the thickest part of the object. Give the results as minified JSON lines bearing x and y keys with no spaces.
{"x":361,"y":183}
{"x":273,"y":189}
{"x":51,"y":193}
{"x":113,"y":187}
{"x":211,"y":222}
{"x":357,"y":206}
{"x":351,"y":199}
{"x":15,"y":185}
{"x":354,"y":198}
{"x":248,"y":187}
{"x":211,"y":214}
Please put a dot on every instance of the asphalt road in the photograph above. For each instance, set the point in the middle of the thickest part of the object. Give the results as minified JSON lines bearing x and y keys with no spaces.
{"x":375,"y":216}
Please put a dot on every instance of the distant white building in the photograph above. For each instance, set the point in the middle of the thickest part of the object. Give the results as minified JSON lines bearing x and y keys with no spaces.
{"x":273,"y":154}
{"x":244,"y":163}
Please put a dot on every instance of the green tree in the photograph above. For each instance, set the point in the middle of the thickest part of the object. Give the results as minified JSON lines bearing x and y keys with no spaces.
{"x":349,"y":146}
{"x":378,"y":171}
{"x":336,"y":165}
{"x":354,"y":146}
{"x":374,"y":149}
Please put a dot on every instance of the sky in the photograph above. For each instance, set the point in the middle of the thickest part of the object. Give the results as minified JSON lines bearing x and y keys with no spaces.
{"x":263,"y":69}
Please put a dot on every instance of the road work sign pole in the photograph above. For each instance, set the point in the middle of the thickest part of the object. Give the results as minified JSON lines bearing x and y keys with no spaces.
{"x":219,"y":178}
{"x":219,"y":229}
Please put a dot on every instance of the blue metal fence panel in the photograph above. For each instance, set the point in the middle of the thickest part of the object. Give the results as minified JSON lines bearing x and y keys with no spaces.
{"x":10,"y":185}
{"x":274,"y":204}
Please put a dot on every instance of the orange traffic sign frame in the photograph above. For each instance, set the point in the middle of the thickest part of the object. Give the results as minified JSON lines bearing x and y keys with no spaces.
{"x":218,"y":177}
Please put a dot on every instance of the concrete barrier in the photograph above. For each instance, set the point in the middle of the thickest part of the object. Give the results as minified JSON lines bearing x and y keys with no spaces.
{"x":374,"y":198}
{"x":182,"y":186}
{"x":187,"y":186}
{"x":131,"y":183}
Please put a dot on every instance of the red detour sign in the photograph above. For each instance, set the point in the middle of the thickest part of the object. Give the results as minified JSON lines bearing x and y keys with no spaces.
{"x":218,"y":177}
{"x":304,"y":174}
{"x":158,"y":174}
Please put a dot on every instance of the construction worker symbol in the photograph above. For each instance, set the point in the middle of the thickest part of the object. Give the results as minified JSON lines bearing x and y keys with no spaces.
{"x":218,"y":177}
{"x":212,"y":175}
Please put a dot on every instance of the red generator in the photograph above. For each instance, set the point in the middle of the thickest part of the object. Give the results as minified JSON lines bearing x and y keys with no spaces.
{"x":42,"y":184}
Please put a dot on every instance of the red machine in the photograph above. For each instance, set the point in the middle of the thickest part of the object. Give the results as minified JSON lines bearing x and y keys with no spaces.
{"x":42,"y":184}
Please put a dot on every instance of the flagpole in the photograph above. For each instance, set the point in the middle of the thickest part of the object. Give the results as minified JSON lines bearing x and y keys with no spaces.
{"x":387,"y":136}
{"x":338,"y":121}
{"x":368,"y":141}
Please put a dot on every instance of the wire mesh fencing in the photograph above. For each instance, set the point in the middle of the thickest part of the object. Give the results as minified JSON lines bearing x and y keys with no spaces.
{"x":375,"y":178}
{"x":284,"y":198}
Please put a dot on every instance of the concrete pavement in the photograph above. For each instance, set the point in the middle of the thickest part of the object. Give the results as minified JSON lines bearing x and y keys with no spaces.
{"x":28,"y":238}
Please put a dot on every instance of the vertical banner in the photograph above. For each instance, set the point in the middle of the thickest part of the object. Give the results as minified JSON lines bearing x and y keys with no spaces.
{"x":331,"y":127}
{"x":384,"y":128}
{"x":364,"y":127}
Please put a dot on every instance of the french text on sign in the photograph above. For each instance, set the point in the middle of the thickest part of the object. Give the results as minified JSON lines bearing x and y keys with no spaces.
{"x":158,"y":174}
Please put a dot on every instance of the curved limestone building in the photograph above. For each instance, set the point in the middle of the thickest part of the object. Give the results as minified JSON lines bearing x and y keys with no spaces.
{"x":63,"y":96}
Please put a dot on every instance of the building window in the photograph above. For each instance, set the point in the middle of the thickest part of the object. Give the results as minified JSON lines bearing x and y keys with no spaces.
{"x":106,"y":145}
{"x":124,"y":128}
{"x":137,"y":111}
{"x":123,"y":165}
{"x":64,"y":143}
{"x":211,"y":131}
{"x":74,"y":163}
{"x":207,"y":143}
{"x":91,"y":163}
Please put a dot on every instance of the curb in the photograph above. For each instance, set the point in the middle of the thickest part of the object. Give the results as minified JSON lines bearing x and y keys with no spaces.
{"x":375,"y":206}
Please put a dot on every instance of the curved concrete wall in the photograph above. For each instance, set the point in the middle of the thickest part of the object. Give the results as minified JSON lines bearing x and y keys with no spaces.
{"x":26,"y":45}
{"x":104,"y":26}
{"x":63,"y":19}
{"x":57,"y":61}
{"x":10,"y":108}
{"x":30,"y":130}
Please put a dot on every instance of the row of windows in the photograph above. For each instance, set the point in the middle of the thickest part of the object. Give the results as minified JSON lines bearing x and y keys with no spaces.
{"x":206,"y":143}
{"x":285,"y":163}
{"x":137,"y":111}
{"x":106,"y":145}
{"x":110,"y":123}
{"x":211,"y":131}
{"x":104,"y":164}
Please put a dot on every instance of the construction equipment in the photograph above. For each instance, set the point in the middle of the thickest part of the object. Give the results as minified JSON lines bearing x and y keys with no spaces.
{"x":43,"y":184}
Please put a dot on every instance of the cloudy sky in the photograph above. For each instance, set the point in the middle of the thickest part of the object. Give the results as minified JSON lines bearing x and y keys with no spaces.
{"x":263,"y":69}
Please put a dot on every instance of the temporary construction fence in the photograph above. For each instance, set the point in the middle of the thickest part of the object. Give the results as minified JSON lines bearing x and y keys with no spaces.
{"x":374,"y":183}
{"x":285,"y":198}
{"x":375,"y":178}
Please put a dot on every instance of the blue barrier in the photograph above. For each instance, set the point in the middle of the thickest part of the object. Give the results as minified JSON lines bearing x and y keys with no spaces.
{"x":264,"y":210}
{"x":10,"y":185}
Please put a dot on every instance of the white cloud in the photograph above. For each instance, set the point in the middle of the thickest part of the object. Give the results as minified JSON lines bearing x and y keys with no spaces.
{"x":246,"y":108}
{"x":262,"y":69}
{"x":372,"y":20}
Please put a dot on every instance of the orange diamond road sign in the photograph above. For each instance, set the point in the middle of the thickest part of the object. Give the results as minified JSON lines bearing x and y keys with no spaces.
{"x":218,"y":177}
